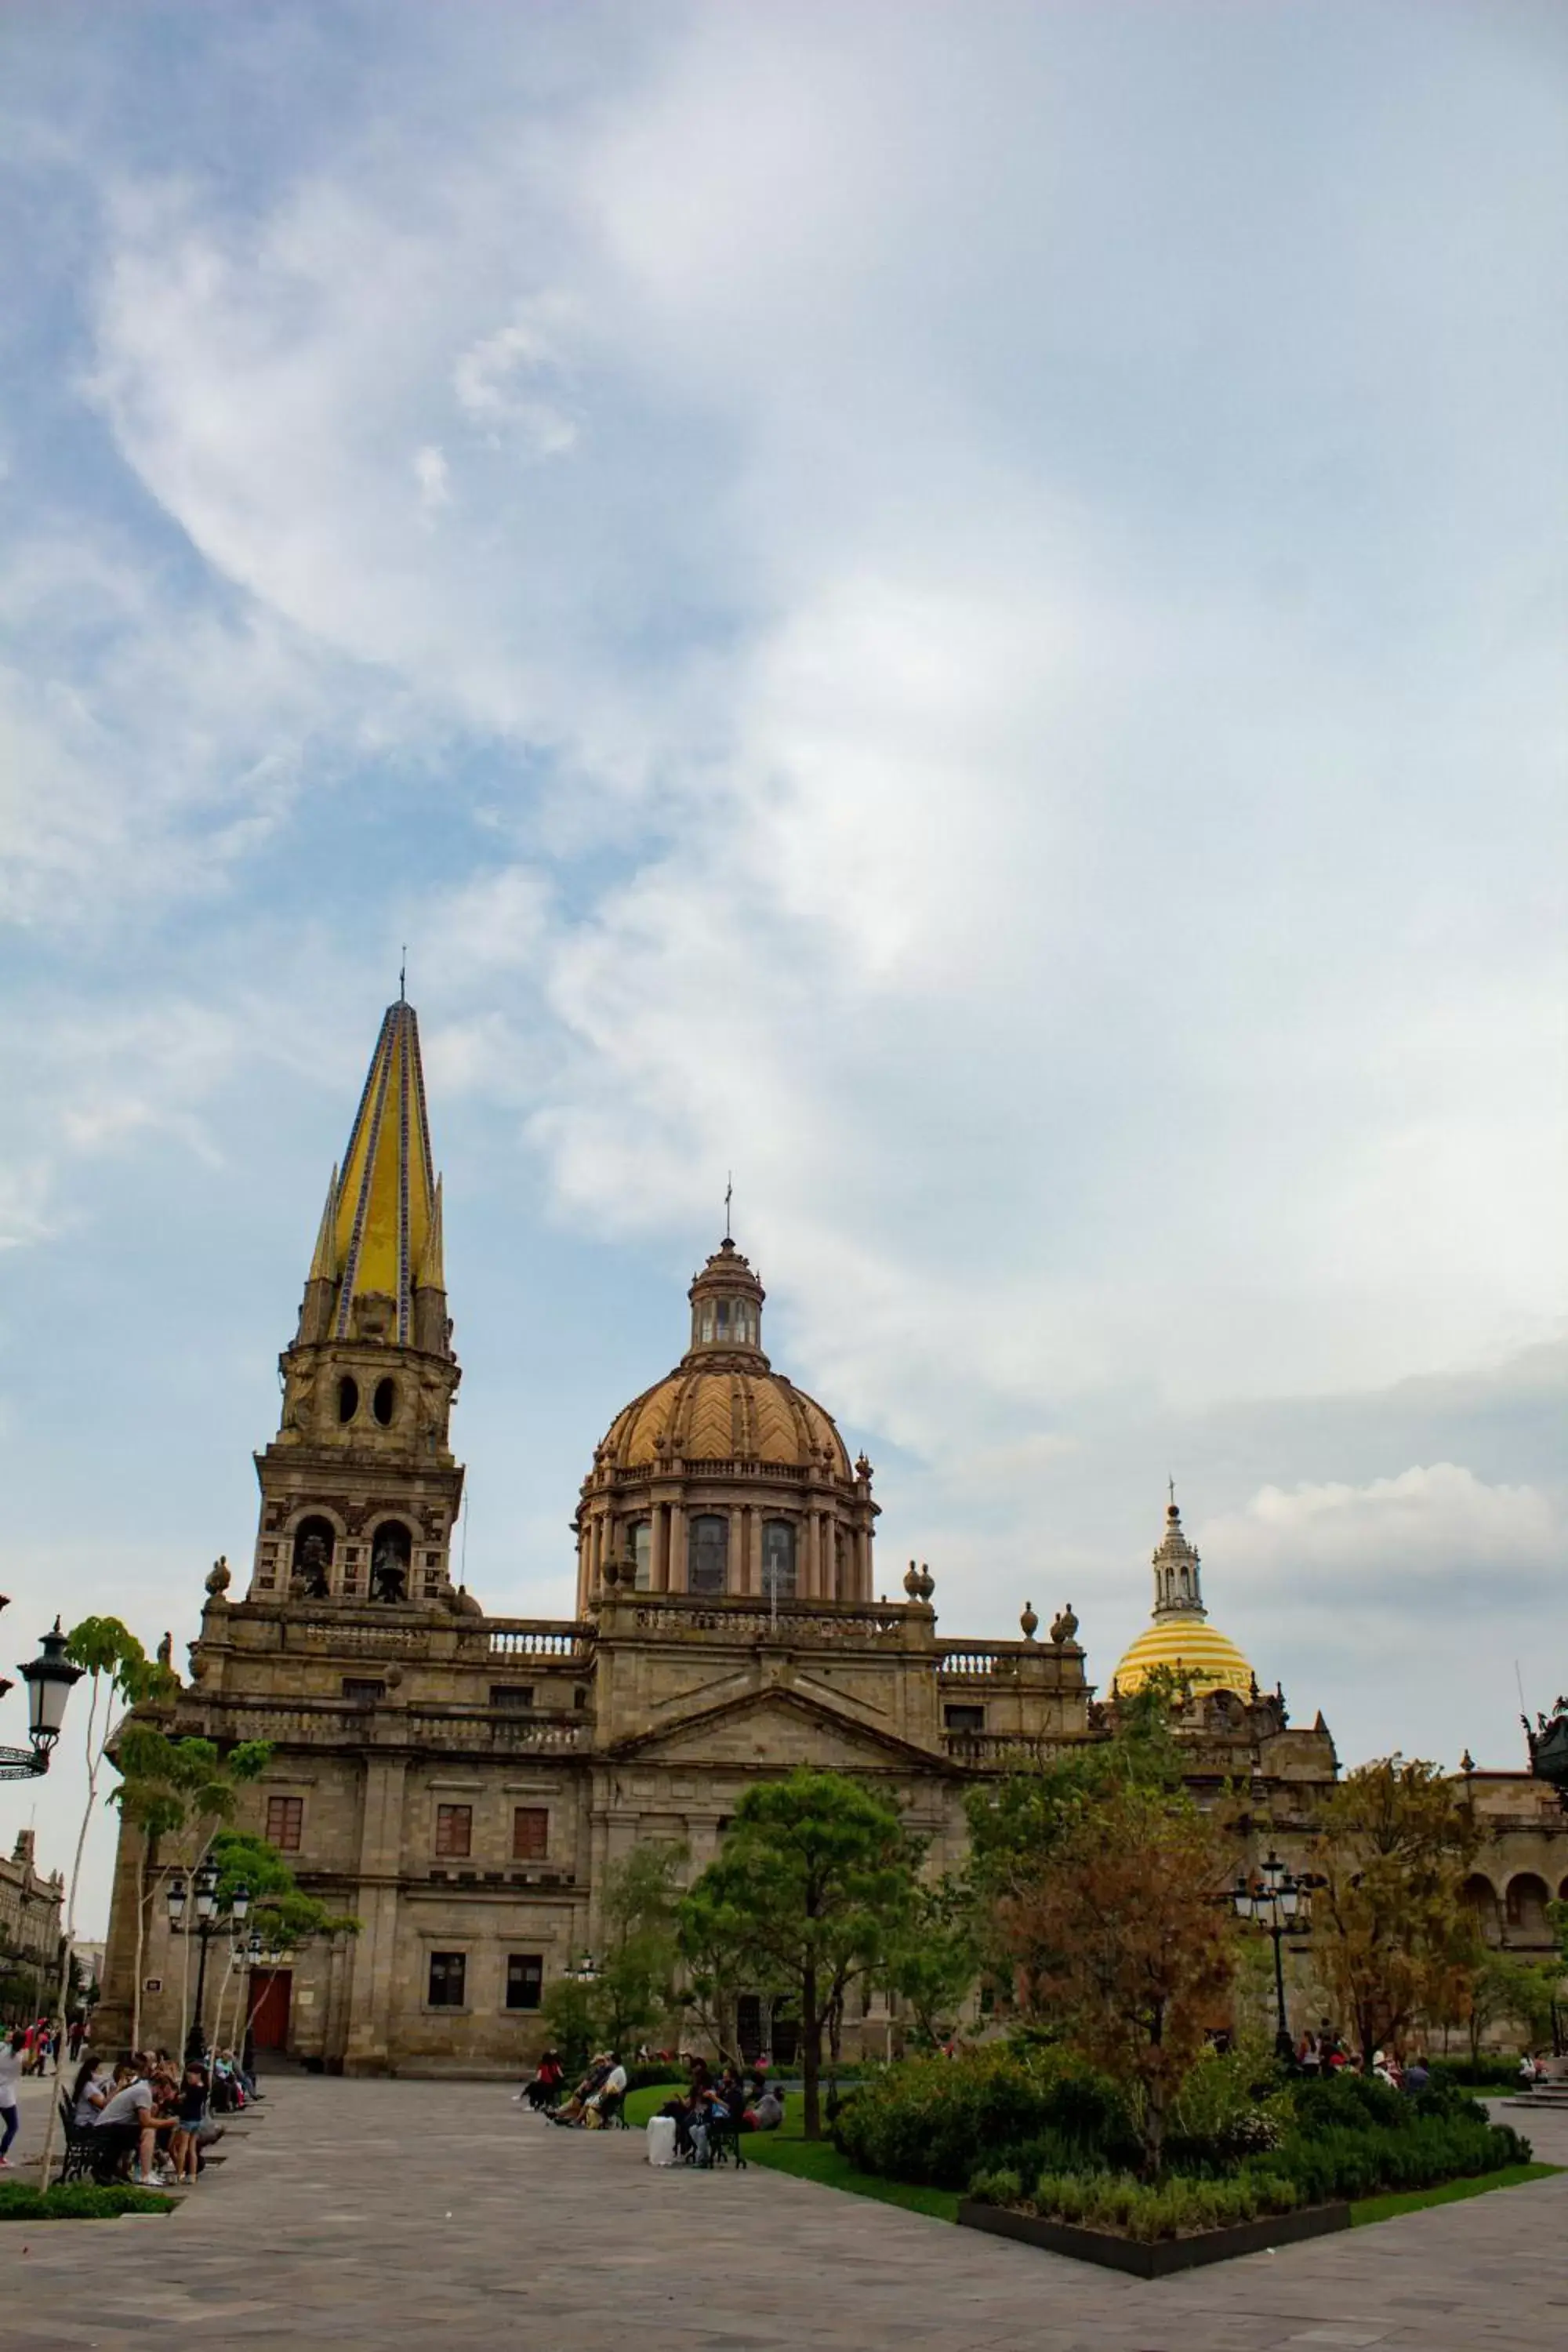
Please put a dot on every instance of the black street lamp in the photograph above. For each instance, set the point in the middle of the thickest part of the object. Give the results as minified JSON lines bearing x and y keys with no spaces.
{"x":49,"y":1677}
{"x":1273,"y":1901}
{"x":204,"y":1896}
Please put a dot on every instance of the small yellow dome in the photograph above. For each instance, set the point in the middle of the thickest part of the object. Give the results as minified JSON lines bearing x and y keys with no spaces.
{"x":1191,"y":1647}
{"x":730,"y":1415}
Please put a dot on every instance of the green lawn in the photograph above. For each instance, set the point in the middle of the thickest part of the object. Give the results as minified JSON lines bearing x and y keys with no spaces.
{"x":1387,"y":2209}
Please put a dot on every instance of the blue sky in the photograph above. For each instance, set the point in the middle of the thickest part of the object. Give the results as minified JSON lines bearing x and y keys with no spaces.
{"x":959,"y":611}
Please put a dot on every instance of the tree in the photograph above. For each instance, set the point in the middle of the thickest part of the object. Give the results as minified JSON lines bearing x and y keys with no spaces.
{"x":117,"y":1667}
{"x":1503,"y":1990}
{"x":1395,"y":1842}
{"x":1016,"y":1824}
{"x":934,"y":1964}
{"x":637,"y":1971}
{"x":809,"y":1894}
{"x":179,"y":1794}
{"x":1125,"y":1943}
{"x":281,"y":1914}
{"x":634,"y":1985}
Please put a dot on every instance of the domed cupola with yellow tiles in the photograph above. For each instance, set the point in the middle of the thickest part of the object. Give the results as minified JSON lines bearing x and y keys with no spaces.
{"x":1180,"y":1636}
{"x":724,"y":1479}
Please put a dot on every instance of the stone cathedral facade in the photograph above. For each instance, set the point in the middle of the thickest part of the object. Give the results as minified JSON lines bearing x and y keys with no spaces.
{"x":461,"y":1783}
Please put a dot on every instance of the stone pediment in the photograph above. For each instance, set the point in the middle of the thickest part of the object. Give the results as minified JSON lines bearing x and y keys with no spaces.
{"x":779,"y":1727}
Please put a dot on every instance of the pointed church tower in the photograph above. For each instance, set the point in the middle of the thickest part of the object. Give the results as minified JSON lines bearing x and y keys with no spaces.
{"x":359,"y":1489}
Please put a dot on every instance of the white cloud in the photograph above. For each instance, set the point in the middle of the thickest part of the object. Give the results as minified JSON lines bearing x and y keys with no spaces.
{"x":1430,"y":1526}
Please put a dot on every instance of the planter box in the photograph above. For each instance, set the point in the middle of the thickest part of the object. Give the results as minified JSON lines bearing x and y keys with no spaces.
{"x":1157,"y":2258}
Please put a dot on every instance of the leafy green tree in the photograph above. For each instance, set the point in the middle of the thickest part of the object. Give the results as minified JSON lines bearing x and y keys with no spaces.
{"x":571,"y":2021}
{"x":1395,"y":1842}
{"x":179,"y":1794}
{"x":633,"y":1986}
{"x":117,"y":1671}
{"x":281,"y":1914}
{"x":809,"y":1894}
{"x":934,"y":1963}
{"x":636,"y":1976}
{"x":1508,"y":1991}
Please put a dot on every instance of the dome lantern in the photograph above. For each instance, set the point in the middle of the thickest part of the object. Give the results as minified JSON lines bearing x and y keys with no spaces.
{"x":726,"y":1309}
{"x":1179,"y":1636}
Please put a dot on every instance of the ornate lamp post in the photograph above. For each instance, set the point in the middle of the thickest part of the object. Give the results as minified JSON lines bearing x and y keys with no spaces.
{"x":1273,"y":1901}
{"x":49,"y":1677}
{"x":205,"y":1924}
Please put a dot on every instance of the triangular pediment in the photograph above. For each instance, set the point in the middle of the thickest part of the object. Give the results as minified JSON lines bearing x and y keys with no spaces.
{"x":781,"y":1727}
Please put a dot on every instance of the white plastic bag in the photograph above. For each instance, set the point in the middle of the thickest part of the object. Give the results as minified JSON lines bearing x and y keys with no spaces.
{"x":662,"y":2139}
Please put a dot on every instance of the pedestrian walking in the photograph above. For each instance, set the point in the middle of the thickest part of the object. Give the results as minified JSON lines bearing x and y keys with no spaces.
{"x":11,"y":2053}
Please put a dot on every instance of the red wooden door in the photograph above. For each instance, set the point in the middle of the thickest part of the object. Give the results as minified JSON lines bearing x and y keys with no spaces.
{"x":270,"y":2004}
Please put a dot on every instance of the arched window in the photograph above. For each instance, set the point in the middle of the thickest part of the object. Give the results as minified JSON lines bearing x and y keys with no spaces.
{"x":391,"y":1552}
{"x":778,"y":1559}
{"x":313,"y":1542}
{"x":348,"y":1399}
{"x":708,"y":1554}
{"x":384,"y":1404}
{"x":642,"y":1552}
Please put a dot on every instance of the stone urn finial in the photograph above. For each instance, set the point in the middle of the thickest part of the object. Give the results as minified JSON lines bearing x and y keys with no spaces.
{"x":1029,"y":1622}
{"x":927,"y":1583}
{"x":912,"y":1581}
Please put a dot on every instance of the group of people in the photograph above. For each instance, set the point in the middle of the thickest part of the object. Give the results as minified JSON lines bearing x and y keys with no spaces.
{"x":736,"y":2103}
{"x":152,"y":2119}
{"x":595,"y":2102}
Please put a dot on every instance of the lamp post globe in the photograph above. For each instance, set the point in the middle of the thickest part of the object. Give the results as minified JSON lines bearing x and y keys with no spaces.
{"x":49,"y":1677}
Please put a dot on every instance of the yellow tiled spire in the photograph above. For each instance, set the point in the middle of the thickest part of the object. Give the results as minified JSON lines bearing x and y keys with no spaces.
{"x":385,"y":1217}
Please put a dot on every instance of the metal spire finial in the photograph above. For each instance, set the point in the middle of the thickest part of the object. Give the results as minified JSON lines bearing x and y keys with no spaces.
{"x":403,"y":976}
{"x":729,"y":1196}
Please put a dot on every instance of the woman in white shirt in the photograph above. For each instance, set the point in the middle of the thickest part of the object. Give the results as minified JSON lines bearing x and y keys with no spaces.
{"x":11,"y":2055}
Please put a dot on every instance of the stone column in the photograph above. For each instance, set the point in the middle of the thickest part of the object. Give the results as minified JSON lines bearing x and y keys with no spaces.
{"x":754,"y":1565}
{"x":735,"y":1556}
{"x":374,"y":1990}
{"x":659,"y":1575}
{"x":810,"y":1566}
{"x":677,"y":1547}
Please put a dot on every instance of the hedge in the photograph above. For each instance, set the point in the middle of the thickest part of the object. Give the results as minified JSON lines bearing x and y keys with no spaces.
{"x":77,"y":2200}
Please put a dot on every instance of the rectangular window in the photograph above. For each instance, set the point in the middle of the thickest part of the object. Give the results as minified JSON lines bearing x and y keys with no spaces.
{"x":361,"y":1687}
{"x":529,"y":1834}
{"x":642,"y":1554}
{"x":284,"y":1822}
{"x":524,"y":1979}
{"x":511,"y":1694}
{"x":448,"y":1971}
{"x":454,"y":1829}
{"x":965,"y":1719}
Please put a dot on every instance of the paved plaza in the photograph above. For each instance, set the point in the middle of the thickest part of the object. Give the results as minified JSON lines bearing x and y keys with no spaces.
{"x":418,"y":2214}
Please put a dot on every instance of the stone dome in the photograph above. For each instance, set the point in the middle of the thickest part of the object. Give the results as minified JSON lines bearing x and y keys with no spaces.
{"x":723,"y":1401}
{"x":734,"y":1413}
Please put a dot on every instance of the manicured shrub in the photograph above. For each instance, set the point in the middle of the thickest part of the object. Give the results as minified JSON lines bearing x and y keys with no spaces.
{"x":1341,"y":2151}
{"x":77,"y":2200}
{"x":938,"y":2120}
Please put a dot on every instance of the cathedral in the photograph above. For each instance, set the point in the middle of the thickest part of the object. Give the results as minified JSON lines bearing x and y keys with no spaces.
{"x":460,"y":1783}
